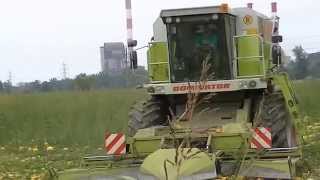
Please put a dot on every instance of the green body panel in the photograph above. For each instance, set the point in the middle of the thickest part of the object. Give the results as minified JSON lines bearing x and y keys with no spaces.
{"x":143,"y":146}
{"x":221,"y":141}
{"x":100,"y":173}
{"x":267,"y":55}
{"x":227,"y":142}
{"x":178,"y":163}
{"x":282,"y":80}
{"x":249,"y":62}
{"x":158,"y":62}
{"x":273,"y":168}
{"x":148,"y":140}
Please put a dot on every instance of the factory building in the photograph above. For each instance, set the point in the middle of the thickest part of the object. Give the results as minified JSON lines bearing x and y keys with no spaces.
{"x":113,"y":57}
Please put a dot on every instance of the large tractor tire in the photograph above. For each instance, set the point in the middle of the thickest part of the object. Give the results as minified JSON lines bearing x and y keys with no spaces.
{"x":145,"y":114}
{"x":275,"y":115}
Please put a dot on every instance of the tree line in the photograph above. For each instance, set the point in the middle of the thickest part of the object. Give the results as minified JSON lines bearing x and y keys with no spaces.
{"x":127,"y":78}
{"x":304,"y":65}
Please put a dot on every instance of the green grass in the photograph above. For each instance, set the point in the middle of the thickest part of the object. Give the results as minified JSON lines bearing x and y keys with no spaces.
{"x":308,"y":93}
{"x":64,"y":118}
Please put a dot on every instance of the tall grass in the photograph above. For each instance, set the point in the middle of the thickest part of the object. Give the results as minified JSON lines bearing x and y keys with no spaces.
{"x":64,"y":118}
{"x":68,"y":118}
{"x":308,"y":93}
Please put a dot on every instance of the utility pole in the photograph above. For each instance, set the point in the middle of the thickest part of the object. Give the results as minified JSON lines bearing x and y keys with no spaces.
{"x":64,"y":71}
{"x":8,"y":84}
{"x":10,"y":78}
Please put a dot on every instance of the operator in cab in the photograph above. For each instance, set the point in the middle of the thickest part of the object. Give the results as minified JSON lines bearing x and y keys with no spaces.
{"x":206,"y":44}
{"x":206,"y":36}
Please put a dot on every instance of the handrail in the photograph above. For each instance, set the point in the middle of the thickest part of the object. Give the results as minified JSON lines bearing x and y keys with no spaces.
{"x":249,"y":58}
{"x":158,"y":63}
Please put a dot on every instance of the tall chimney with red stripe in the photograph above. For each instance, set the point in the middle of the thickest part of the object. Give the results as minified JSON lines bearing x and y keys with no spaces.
{"x":274,"y":7}
{"x":129,"y":33}
{"x":129,"y":20}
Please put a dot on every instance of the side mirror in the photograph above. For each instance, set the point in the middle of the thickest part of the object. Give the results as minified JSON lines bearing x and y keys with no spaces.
{"x":276,"y":55}
{"x":277,"y":39}
{"x":133,"y":60}
{"x":132,"y":43}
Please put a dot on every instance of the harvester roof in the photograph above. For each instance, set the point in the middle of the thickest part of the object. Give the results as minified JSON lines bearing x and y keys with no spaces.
{"x":193,"y":11}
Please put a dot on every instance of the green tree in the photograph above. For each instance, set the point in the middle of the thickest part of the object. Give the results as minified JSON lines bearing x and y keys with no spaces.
{"x":301,"y":62}
{"x":1,"y":86}
{"x":7,"y":86}
{"x":314,"y":65}
{"x":45,"y":86}
{"x":84,"y":82}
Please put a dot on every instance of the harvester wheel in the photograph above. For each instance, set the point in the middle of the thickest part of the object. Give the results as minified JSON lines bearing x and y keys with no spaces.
{"x":276,"y":116}
{"x":145,"y":114}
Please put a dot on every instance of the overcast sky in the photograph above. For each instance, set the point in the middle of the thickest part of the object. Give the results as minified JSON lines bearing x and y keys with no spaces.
{"x":37,"y":36}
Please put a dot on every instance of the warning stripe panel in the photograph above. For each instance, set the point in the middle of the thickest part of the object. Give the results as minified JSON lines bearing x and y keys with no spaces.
{"x":121,"y":149}
{"x":266,"y":131}
{"x":113,"y":149}
{"x":256,"y":144}
{"x":113,"y":140}
{"x":262,"y":133}
{"x":261,"y":138}
{"x":115,"y":144}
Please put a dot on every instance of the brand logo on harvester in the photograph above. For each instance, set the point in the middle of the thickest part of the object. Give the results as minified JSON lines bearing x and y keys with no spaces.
{"x":182,"y":88}
{"x":248,"y":20}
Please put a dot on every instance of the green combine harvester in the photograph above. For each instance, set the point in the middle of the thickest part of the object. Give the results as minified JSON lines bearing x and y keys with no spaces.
{"x":244,"y":116}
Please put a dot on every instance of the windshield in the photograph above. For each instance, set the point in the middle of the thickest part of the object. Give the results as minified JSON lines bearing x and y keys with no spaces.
{"x":191,"y":43}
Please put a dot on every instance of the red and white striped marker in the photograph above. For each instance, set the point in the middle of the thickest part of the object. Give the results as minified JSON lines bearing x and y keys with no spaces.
{"x":261,"y":138}
{"x":115,"y":144}
{"x":129,"y":20}
{"x":274,"y":7}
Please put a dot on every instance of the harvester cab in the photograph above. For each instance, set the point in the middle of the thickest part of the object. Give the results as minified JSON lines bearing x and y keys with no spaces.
{"x":193,"y":39}
{"x":236,"y":42}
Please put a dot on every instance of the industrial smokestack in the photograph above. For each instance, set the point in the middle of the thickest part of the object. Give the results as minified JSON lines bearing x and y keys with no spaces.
{"x":129,"y":34}
{"x":129,"y":20}
{"x":274,"y":7}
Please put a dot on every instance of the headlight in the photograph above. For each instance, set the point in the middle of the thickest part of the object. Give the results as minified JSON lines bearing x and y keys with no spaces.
{"x":215,"y":17}
{"x":248,"y":84}
{"x":243,"y":85}
{"x":159,"y":89}
{"x":151,"y":90}
{"x":252,"y":84}
{"x":168,"y":20}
